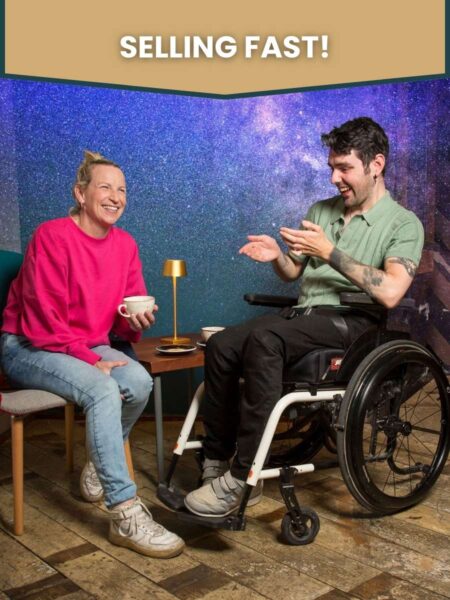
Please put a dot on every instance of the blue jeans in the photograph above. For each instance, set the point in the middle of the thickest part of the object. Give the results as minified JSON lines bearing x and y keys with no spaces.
{"x":111,"y":403}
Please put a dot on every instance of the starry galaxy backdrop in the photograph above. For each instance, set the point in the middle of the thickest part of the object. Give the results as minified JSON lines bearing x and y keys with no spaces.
{"x":203,"y":173}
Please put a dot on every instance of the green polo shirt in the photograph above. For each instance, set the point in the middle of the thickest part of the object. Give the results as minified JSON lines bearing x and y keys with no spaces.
{"x":386,"y":230}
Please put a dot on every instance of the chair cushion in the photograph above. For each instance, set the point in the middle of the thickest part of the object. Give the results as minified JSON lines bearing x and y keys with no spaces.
{"x":315,"y":367}
{"x":23,"y":402}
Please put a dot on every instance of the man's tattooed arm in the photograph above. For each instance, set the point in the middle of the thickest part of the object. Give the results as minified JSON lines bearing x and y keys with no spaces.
{"x":410,"y":267}
{"x":366,"y":277}
{"x":385,"y":287}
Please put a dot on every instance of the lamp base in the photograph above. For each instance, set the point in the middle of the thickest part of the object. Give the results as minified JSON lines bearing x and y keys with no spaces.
{"x":175,"y":340}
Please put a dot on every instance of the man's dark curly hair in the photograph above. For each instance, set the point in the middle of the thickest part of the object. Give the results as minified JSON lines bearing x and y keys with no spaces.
{"x":362,"y":135}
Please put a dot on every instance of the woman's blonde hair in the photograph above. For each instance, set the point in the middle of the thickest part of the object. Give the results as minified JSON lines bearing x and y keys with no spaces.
{"x":84,"y":174}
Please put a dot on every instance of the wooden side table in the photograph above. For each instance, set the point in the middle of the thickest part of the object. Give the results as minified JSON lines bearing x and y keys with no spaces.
{"x":157,"y":364}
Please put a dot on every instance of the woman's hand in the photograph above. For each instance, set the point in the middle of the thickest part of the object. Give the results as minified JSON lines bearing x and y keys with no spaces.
{"x":261,"y":248}
{"x":106,"y":366}
{"x":142,"y":321}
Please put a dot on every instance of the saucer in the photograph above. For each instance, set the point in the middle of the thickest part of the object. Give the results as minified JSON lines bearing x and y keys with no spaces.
{"x":201,"y":344}
{"x":175,"y":348}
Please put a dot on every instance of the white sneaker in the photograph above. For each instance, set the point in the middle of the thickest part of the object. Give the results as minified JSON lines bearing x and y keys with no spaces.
{"x":90,"y":486}
{"x":220,"y":498}
{"x":133,"y":527}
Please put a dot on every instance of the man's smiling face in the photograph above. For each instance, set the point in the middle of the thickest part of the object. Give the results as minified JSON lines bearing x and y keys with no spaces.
{"x":355,"y":182}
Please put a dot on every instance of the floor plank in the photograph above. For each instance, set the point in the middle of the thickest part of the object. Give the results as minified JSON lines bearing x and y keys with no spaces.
{"x":65,"y":552}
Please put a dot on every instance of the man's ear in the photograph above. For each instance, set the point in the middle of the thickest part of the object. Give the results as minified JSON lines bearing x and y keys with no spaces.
{"x":378,"y":163}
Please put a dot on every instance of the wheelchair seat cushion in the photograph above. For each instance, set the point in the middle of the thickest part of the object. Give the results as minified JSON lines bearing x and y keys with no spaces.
{"x":318,"y":366}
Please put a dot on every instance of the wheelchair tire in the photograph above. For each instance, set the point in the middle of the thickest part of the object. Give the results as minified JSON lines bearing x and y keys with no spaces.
{"x":394,"y":427}
{"x":296,"y":444}
{"x":306,"y":534}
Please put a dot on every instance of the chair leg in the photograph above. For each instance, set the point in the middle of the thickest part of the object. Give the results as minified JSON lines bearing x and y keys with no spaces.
{"x":17,"y":472}
{"x":129,"y":459}
{"x":69,"y":426}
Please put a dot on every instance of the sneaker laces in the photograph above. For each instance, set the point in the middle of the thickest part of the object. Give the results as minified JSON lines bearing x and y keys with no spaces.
{"x":142,"y":520}
{"x":91,"y":479}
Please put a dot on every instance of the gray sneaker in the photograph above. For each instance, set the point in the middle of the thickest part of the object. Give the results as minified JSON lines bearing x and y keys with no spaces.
{"x":212,"y":469}
{"x":133,"y":527}
{"x":220,"y":498}
{"x":90,"y":486}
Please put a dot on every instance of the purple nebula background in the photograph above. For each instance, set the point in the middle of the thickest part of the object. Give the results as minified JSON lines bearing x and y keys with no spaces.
{"x":204,"y":173}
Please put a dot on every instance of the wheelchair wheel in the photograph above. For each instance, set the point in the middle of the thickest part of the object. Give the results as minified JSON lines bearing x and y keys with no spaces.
{"x":297,"y":441}
{"x":306,"y":533}
{"x":394,"y":434}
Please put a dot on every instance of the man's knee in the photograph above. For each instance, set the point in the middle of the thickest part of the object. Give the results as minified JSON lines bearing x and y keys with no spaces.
{"x":219,"y":346}
{"x":263,"y":341}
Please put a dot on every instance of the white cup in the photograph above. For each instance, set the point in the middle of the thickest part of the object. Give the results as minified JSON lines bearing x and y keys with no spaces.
{"x":207,"y":332}
{"x":134,"y":305}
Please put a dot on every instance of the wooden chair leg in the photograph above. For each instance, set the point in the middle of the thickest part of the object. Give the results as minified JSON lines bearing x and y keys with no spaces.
{"x":69,"y":426}
{"x":129,"y":459}
{"x":17,"y":472}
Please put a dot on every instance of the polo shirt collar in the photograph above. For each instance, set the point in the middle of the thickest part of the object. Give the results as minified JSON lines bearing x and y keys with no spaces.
{"x":371,"y":216}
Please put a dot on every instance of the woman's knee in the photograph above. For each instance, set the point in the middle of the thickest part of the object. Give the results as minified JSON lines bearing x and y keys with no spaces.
{"x":104,"y":391}
{"x":138,"y":385}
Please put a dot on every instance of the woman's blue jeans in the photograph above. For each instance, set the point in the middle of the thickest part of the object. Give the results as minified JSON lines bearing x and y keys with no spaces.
{"x":111,"y":403}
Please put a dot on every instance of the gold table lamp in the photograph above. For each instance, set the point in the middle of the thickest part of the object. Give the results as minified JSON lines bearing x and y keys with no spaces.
{"x":175,"y":268}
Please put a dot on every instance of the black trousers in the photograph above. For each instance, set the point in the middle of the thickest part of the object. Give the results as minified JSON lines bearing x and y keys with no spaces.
{"x":257,"y":350}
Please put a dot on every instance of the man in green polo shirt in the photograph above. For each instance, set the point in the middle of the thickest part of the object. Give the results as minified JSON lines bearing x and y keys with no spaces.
{"x":359,"y":240}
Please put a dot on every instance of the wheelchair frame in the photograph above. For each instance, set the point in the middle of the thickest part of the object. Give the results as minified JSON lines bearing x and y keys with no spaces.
{"x":377,"y":404}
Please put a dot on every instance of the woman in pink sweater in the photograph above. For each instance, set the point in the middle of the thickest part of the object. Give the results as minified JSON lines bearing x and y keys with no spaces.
{"x":56,"y":325}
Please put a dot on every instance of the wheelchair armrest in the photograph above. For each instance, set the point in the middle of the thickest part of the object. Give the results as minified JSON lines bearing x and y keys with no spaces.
{"x":266,"y":300}
{"x":361,"y":299}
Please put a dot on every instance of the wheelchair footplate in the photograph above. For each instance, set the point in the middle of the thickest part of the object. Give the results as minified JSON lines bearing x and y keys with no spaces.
{"x":174,"y":499}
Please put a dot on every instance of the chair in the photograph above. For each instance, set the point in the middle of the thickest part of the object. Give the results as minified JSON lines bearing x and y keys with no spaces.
{"x":19,"y":404}
{"x":382,"y":406}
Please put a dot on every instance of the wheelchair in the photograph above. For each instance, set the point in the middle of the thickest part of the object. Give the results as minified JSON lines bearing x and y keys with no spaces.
{"x":382,"y":406}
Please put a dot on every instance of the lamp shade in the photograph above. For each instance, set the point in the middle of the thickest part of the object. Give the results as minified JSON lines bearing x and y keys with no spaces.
{"x":174,"y":268}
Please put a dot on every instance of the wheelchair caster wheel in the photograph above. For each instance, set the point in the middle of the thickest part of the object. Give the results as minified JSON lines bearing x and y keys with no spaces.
{"x":300,"y":535}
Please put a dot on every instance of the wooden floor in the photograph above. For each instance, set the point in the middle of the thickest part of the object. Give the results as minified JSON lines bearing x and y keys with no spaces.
{"x":64,"y":552}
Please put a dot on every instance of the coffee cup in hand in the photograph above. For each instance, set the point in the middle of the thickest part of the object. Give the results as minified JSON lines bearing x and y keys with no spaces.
{"x":135,"y":305}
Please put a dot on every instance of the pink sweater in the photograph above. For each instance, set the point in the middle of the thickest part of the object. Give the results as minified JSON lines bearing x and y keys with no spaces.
{"x":66,"y":295}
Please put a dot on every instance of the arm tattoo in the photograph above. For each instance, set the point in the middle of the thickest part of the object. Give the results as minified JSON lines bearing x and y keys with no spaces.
{"x":408,"y":264}
{"x":345,"y":264}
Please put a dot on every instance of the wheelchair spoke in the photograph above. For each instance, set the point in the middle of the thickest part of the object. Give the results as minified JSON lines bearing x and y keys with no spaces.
{"x":396,"y":460}
{"x":422,"y":444}
{"x":436,"y":412}
{"x":397,"y":427}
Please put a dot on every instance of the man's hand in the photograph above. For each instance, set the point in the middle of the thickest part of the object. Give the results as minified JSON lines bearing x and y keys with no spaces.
{"x":311,"y":241}
{"x":261,"y":248}
{"x":142,"y":321}
{"x":106,"y":366}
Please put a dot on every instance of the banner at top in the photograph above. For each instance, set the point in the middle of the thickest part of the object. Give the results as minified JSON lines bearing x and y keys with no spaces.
{"x":234,"y":47}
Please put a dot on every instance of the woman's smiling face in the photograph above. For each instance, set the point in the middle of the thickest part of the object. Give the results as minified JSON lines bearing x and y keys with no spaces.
{"x":103,"y":200}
